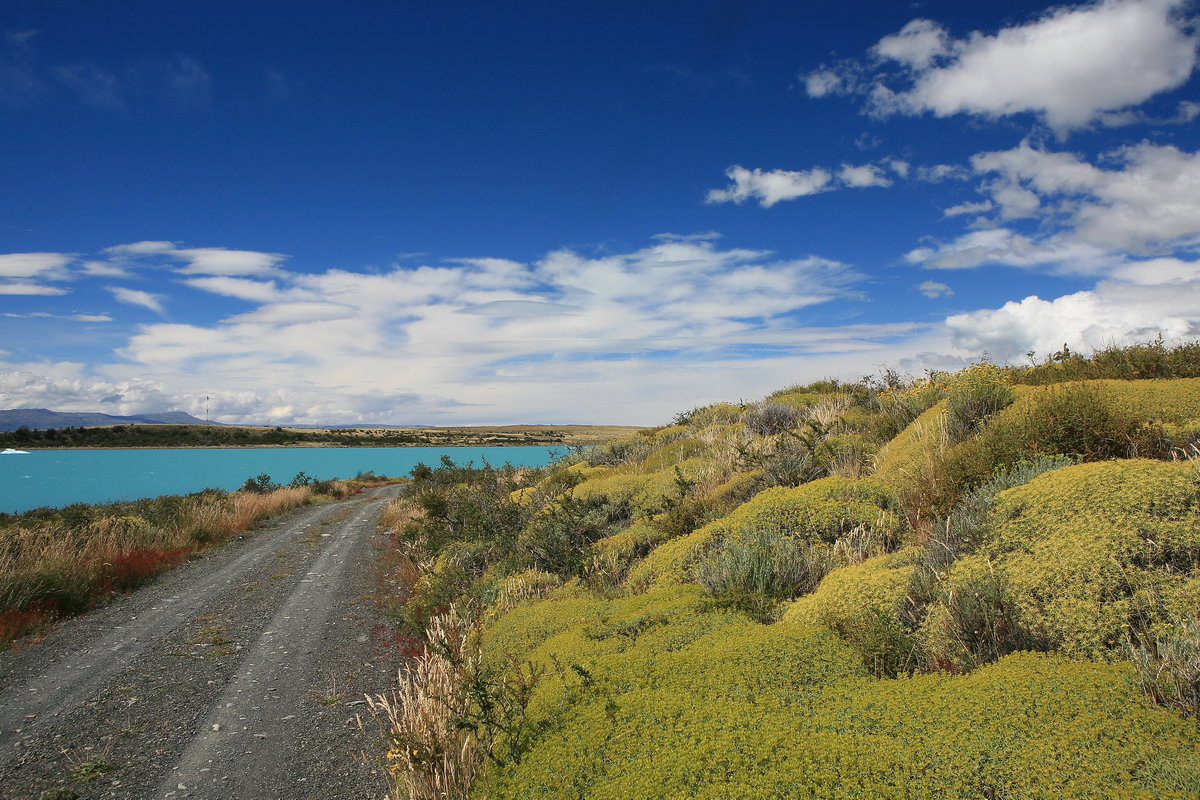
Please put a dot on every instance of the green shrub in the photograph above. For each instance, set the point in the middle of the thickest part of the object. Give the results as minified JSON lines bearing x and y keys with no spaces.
{"x":558,"y":538}
{"x":770,"y":418}
{"x":898,"y":407}
{"x":975,"y":394}
{"x":260,"y":484}
{"x":1129,"y":362}
{"x":757,"y":569}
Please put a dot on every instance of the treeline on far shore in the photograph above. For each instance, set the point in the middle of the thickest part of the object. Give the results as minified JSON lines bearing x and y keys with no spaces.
{"x":236,"y":436}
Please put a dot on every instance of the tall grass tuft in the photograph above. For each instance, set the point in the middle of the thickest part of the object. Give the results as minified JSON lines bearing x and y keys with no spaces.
{"x":431,"y":754}
{"x":1168,"y":664}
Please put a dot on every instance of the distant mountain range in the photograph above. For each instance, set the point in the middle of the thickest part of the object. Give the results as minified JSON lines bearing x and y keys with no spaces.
{"x":45,"y":419}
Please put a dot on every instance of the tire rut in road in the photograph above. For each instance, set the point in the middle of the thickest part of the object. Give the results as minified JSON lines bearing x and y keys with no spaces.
{"x":147,"y":686}
{"x":259,"y":718}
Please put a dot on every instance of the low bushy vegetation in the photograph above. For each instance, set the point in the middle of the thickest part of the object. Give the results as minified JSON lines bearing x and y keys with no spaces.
{"x":240,"y":436}
{"x":57,"y":562}
{"x":984,"y":584}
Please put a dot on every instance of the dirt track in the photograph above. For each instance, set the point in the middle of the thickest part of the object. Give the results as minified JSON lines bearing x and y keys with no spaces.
{"x":239,"y":675}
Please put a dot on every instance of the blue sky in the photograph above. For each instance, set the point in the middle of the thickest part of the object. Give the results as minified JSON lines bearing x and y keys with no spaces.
{"x":470,"y":212}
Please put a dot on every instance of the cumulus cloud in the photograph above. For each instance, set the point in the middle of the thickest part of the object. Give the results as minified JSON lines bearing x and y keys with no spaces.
{"x":770,"y":187}
{"x":1112,"y":313}
{"x":1150,"y":198}
{"x":66,"y":387}
{"x":1089,"y":219}
{"x":1072,"y":67}
{"x":865,"y":175}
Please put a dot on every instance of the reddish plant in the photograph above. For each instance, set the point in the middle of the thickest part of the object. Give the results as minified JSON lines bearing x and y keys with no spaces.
{"x":130,"y":570}
{"x":18,"y":623}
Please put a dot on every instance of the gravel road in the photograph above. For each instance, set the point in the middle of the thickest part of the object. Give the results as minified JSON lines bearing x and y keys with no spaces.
{"x":239,"y":675}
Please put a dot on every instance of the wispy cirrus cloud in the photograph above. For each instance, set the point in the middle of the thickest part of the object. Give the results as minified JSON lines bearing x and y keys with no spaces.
{"x":137,"y":297}
{"x":179,"y":82}
{"x":28,"y":273}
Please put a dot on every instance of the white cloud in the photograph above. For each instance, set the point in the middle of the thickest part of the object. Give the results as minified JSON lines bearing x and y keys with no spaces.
{"x":220,"y":261}
{"x":519,"y":308}
{"x":823,"y":82}
{"x":968,"y":208}
{"x":136,"y":297}
{"x":932,"y":289}
{"x":30,"y":289}
{"x":1157,"y":270}
{"x":1112,"y":313}
{"x":865,"y":175}
{"x":623,"y":337}
{"x":770,"y":187}
{"x":241,"y":288}
{"x":1151,"y":198}
{"x":1089,"y":219}
{"x":296,"y":313}
{"x":66,"y":387}
{"x":50,"y":266}
{"x":140,"y":248}
{"x":1070,"y":67}
{"x":1006,"y":247}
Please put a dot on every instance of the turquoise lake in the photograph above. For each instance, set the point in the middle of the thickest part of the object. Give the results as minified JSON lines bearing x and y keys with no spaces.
{"x":61,"y":477}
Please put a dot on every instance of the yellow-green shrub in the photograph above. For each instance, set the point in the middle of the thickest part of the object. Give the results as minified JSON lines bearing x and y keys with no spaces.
{"x":523,"y":629}
{"x":1092,"y":549}
{"x":879,"y":583}
{"x":670,"y":562}
{"x":865,"y":604}
{"x":732,"y":709}
{"x":646,"y":493}
{"x":818,"y":511}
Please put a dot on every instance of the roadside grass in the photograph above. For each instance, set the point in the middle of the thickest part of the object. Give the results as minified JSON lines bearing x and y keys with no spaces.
{"x":56,"y":563}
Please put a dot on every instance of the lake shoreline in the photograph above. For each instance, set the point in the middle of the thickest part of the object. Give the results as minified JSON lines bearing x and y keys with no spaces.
{"x":56,"y":477}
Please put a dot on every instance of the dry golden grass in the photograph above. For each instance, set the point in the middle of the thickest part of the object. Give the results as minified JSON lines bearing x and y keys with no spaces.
{"x":429,"y":755}
{"x":50,"y":569}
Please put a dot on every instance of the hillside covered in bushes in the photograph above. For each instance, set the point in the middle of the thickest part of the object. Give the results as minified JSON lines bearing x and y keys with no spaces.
{"x":981,"y":584}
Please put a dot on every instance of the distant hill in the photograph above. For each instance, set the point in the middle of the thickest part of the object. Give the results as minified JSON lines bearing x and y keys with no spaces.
{"x":45,"y":419}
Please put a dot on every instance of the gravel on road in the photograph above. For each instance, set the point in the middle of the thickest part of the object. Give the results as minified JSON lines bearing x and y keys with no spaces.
{"x":240,"y":674}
